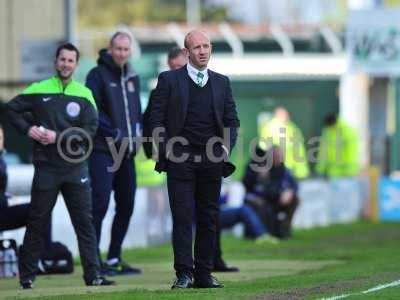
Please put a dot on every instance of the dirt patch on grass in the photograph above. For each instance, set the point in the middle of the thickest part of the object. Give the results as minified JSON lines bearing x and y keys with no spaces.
{"x":334,"y":288}
{"x":300,"y":293}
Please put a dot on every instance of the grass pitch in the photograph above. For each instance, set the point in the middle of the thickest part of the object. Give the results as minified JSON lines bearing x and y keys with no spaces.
{"x":317,"y":263}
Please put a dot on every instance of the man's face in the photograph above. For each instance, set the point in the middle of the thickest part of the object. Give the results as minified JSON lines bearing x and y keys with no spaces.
{"x":277,"y":156}
{"x":120,"y":50}
{"x":199,"y":50}
{"x":66,"y":64}
{"x":177,"y":62}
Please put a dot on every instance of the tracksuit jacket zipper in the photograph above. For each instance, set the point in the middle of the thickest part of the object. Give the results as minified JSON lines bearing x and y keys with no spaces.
{"x":127,"y":115}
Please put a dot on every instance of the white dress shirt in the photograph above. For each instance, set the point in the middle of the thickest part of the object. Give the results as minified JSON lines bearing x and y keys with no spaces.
{"x":192,"y":71}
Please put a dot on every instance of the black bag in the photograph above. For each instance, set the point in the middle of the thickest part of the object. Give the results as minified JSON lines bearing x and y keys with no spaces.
{"x":57,"y":260}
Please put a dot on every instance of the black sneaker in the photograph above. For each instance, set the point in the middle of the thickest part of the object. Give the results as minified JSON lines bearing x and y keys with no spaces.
{"x":103,"y":269}
{"x":221,"y":266}
{"x":26,"y":284}
{"x":100,"y":281}
{"x":120,"y":268}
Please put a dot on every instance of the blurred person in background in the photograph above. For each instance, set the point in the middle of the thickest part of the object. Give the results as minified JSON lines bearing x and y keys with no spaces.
{"x":271,"y":190}
{"x":176,"y":59}
{"x":115,"y":87}
{"x":338,"y":153}
{"x":246,"y":215}
{"x":14,"y":216}
{"x":279,"y":128}
{"x":197,"y":104}
{"x":64,"y":118}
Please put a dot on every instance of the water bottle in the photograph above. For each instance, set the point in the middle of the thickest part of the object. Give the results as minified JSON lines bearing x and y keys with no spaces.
{"x":1,"y":263}
{"x":7,"y":263}
{"x":10,"y":268}
{"x":14,"y":263}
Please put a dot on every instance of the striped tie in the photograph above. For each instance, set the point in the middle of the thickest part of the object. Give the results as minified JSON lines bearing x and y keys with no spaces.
{"x":200,"y":79}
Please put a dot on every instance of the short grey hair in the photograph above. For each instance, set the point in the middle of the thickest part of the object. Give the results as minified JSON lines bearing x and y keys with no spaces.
{"x":120,"y":33}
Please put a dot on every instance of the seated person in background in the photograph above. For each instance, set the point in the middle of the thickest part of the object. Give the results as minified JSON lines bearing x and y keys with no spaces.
{"x":271,"y":191}
{"x":13,"y":217}
{"x":244,"y":214}
{"x":229,"y":217}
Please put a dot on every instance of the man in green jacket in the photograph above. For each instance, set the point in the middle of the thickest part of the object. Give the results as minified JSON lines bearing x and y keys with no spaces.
{"x":60,"y":116}
{"x":338,"y":154}
{"x":281,"y":129}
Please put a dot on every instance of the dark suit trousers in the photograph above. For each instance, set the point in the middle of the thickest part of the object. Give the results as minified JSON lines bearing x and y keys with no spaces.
{"x":194,"y":188}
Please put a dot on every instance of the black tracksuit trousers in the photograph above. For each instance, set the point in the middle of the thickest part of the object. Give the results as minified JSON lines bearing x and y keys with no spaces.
{"x":74,"y":185}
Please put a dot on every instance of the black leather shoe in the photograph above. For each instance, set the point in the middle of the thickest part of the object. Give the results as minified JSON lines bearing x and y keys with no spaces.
{"x":183,"y":282}
{"x":222,"y":267}
{"x":99,"y":281}
{"x":207,"y":283}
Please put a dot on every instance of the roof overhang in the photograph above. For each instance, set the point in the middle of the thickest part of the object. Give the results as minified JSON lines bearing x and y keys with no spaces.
{"x":278,"y":67}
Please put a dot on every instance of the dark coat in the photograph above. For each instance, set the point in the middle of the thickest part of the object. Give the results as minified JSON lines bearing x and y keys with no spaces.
{"x":3,"y":182}
{"x":109,"y":83}
{"x":270,"y":188}
{"x":169,"y":107}
{"x":147,"y":145}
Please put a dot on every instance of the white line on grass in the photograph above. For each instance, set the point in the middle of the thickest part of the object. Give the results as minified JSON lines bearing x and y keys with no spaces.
{"x":337,"y":297}
{"x":382,"y":286}
{"x":371,"y":290}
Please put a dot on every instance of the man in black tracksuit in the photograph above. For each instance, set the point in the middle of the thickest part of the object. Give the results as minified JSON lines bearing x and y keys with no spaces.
{"x":62,"y":120}
{"x":116,"y":89}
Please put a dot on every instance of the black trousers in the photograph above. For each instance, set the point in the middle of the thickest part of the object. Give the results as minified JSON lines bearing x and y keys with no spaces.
{"x":16,"y":216}
{"x":280,"y":217}
{"x":194,"y":188}
{"x":123,"y":182}
{"x":75,"y":187}
{"x":276,"y":218}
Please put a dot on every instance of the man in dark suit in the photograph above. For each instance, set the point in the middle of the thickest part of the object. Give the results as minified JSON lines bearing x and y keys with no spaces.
{"x":177,"y":58}
{"x":192,"y":107}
